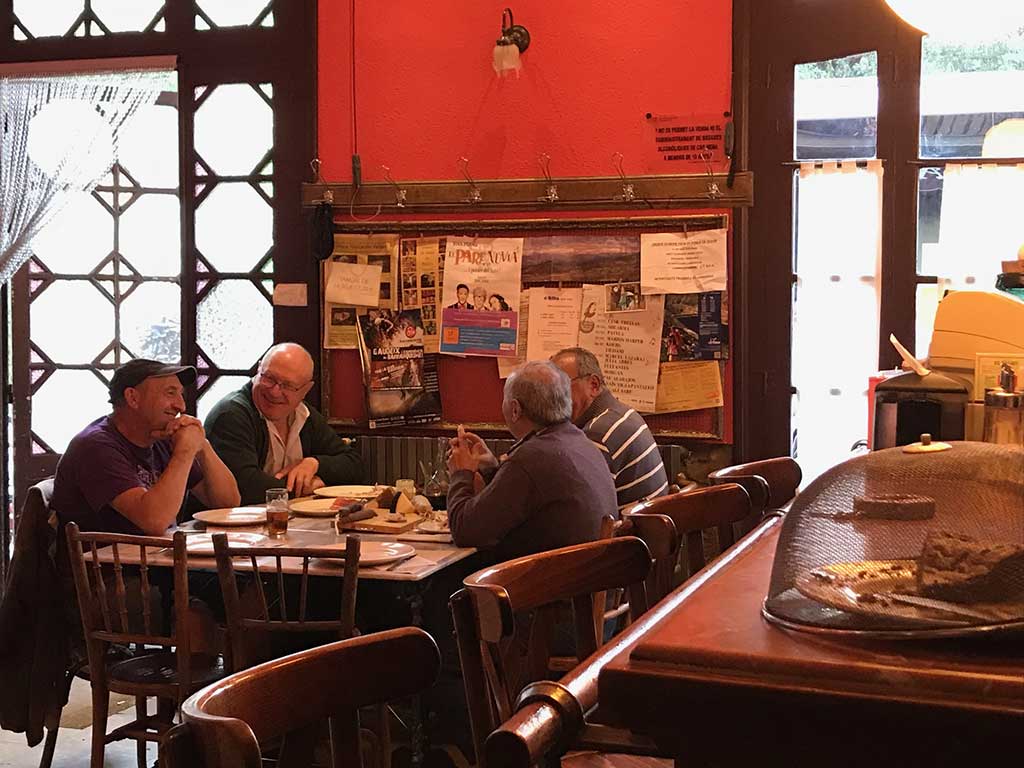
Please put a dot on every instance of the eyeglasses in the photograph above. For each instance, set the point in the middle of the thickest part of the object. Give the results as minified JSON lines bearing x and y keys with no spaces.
{"x":270,"y":381}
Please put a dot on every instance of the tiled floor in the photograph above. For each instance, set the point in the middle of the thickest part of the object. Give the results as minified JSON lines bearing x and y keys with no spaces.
{"x":73,"y":742}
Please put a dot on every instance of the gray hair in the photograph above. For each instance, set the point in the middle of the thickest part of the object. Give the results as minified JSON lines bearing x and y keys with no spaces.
{"x":542,"y":391}
{"x":586,"y":361}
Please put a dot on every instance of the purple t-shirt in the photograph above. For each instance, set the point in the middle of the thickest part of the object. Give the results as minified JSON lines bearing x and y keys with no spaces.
{"x":99,"y":465}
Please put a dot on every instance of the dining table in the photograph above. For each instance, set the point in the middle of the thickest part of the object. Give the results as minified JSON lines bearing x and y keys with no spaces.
{"x":713,"y":682}
{"x":425,"y":575}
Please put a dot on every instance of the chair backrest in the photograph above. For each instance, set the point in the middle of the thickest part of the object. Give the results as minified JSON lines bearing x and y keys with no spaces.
{"x":717,"y":507}
{"x":780,"y":477}
{"x":276,"y":615}
{"x":485,"y":613}
{"x":229,"y":719}
{"x":116,"y":610}
{"x":659,"y":533}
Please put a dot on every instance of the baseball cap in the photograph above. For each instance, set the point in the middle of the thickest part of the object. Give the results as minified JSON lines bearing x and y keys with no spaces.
{"x":134,"y":372}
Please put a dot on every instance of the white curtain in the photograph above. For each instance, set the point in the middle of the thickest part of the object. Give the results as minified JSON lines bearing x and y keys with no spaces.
{"x":835,"y":308}
{"x":980,"y":225}
{"x":59,"y":137}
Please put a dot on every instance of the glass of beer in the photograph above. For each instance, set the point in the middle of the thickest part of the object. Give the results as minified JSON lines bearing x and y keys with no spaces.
{"x":277,"y":512}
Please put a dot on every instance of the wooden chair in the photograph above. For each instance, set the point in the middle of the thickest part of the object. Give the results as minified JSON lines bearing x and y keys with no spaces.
{"x":719,"y":507}
{"x":659,"y":534}
{"x":771,"y":483}
{"x":243,"y":629}
{"x":114,"y":614}
{"x":494,"y":600}
{"x":224,"y":725}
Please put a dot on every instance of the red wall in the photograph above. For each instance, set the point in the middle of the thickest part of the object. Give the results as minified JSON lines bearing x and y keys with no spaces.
{"x":426,"y":93}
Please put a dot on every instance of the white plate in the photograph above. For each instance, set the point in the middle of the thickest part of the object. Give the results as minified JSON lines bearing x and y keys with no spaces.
{"x":233,"y":516}
{"x":202,"y":543}
{"x":378,"y":552}
{"x":313,"y":508}
{"x":433,"y":526}
{"x":350,"y":491}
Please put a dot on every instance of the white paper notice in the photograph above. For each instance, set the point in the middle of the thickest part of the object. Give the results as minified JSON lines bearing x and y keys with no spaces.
{"x":676,"y":262}
{"x":354,"y":284}
{"x":554,"y":322}
{"x":290,"y":295}
{"x":627,"y":345}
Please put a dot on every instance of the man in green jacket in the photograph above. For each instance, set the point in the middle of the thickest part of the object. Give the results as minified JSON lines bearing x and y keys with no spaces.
{"x":269,"y":438}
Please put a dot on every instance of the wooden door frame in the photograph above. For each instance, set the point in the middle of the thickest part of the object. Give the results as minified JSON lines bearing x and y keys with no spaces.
{"x":790,"y":32}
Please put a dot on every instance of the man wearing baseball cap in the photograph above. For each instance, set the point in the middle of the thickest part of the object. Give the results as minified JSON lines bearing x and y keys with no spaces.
{"x":129,"y":471}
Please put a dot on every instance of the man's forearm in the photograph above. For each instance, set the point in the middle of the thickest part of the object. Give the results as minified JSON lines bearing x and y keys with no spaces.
{"x":219,"y":486}
{"x":160,"y":504}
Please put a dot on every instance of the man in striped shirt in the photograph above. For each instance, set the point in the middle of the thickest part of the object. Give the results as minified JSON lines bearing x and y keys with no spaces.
{"x":616,"y":429}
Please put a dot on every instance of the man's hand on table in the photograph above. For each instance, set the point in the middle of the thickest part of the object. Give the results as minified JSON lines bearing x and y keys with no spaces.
{"x":302,"y":479}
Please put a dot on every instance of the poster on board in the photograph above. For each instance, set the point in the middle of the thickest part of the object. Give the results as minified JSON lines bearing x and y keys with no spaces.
{"x":626,"y":345}
{"x":401,"y":381}
{"x":421,"y":272}
{"x":695,"y":327}
{"x":341,"y":330}
{"x":480,"y":296}
{"x":684,"y":262}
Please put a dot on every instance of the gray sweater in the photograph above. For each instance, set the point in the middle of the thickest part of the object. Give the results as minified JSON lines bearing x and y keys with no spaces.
{"x":551,"y":491}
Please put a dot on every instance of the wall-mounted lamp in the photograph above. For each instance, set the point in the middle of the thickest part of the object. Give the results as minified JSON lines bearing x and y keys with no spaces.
{"x":513,"y":41}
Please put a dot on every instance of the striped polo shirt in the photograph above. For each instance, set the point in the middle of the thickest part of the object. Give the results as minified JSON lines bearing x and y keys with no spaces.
{"x":628,"y":447}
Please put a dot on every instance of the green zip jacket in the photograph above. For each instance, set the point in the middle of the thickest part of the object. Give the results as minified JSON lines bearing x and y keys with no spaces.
{"x":238,"y":433}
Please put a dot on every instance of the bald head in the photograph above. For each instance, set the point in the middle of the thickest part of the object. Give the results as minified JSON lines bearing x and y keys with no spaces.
{"x":284,"y":377}
{"x":291,"y":359}
{"x":537,"y":395}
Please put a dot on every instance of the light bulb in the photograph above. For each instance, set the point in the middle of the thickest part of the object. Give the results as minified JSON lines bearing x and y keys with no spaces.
{"x":957,"y":20}
{"x":506,"y":59}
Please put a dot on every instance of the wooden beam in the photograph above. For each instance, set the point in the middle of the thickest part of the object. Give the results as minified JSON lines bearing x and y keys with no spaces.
{"x":682,"y":191}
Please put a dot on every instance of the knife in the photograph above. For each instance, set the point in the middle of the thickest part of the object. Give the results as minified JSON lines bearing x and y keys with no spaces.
{"x":936,"y":605}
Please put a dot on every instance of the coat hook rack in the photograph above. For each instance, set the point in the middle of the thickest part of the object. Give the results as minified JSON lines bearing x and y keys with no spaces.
{"x":400,"y":194}
{"x":551,"y":189}
{"x":474,"y":195}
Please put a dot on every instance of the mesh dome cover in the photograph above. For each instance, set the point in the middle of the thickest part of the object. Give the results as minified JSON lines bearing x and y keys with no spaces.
{"x":852,"y":551}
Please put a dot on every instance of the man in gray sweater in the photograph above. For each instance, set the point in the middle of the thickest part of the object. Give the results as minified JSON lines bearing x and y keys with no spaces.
{"x":552,"y":488}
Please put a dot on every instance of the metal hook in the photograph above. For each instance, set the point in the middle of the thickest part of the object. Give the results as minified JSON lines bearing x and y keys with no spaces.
{"x":474,"y":195}
{"x":400,"y":194}
{"x":328,"y":196}
{"x":551,"y":189}
{"x":714,"y":191}
{"x":628,"y":191}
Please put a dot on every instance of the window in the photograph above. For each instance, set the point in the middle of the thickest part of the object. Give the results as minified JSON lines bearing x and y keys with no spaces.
{"x":944,"y":118}
{"x":175,"y":255}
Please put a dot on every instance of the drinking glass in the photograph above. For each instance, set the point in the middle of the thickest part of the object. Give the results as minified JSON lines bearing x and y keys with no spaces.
{"x":277,"y":512}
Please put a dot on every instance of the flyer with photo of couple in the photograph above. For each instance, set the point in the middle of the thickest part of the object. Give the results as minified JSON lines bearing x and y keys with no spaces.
{"x":480,"y":296}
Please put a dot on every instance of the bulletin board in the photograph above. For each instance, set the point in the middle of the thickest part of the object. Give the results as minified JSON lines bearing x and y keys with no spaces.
{"x":471,"y":388}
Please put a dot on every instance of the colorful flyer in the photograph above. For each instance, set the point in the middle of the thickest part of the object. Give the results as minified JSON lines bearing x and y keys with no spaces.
{"x":401,"y":381}
{"x":480,"y":296}
{"x":421,"y":268}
